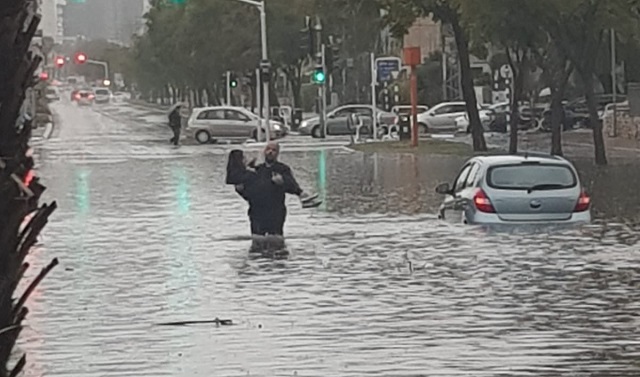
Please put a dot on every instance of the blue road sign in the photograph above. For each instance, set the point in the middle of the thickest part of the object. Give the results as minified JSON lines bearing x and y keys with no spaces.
{"x":385,"y":66}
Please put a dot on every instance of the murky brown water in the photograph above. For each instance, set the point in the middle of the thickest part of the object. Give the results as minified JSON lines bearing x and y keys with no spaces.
{"x":375,"y":285}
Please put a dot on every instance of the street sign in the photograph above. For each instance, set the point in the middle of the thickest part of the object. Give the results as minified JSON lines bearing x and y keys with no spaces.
{"x":505,"y":71}
{"x":386,"y":66}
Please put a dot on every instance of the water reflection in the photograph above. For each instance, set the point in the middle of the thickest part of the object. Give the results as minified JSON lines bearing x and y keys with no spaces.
{"x":184,"y":275}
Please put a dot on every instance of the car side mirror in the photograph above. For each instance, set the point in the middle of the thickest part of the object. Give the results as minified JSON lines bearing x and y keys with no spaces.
{"x":443,"y":189}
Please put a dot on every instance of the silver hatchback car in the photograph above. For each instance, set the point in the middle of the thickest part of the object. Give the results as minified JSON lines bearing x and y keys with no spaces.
{"x":516,"y":189}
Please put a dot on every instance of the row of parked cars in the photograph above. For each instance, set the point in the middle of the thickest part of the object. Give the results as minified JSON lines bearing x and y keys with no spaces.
{"x":452,"y":117}
{"x":444,"y":117}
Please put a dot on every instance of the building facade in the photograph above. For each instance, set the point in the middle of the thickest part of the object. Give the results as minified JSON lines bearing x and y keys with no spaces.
{"x":426,"y":34}
{"x":52,"y":22}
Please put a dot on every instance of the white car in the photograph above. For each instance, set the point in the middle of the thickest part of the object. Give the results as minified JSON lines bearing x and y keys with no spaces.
{"x":52,"y":93}
{"x":207,"y":124}
{"x":121,"y":97}
{"x":441,"y":117}
{"x":102,"y":95}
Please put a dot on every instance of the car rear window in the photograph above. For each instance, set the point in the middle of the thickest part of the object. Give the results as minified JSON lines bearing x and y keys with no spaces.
{"x":528,"y":176}
{"x":102,"y":92}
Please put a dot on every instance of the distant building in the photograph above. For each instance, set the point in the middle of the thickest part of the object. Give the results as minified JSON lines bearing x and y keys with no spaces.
{"x":426,"y":34}
{"x":52,"y":22}
{"x":116,"y":20}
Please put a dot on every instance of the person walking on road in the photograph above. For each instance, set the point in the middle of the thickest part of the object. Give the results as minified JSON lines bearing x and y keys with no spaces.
{"x":175,"y":123}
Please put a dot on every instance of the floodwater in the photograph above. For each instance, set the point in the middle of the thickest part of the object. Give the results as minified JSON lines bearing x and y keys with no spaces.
{"x":374,"y":285}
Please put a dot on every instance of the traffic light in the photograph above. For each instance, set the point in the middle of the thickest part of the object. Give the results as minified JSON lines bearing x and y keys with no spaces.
{"x":319,"y":75}
{"x":81,"y":58}
{"x":44,"y":76}
{"x":233,"y":81}
{"x":59,"y":61}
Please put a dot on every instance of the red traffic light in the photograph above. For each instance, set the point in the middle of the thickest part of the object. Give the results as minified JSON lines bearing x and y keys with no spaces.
{"x":81,"y":58}
{"x":44,"y":76}
{"x":59,"y":61}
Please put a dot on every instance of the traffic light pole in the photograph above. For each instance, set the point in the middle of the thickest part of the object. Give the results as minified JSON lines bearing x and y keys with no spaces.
{"x":323,"y":91}
{"x":228,"y":88}
{"x":374,"y":109}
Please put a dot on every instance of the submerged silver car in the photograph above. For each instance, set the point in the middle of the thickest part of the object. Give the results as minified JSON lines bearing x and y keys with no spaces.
{"x":516,"y":189}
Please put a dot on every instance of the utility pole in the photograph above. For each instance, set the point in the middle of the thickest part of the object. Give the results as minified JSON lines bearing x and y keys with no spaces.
{"x":264,"y":64}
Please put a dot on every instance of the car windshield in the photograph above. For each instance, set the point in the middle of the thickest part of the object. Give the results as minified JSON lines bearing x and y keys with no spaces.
{"x":51,"y":91}
{"x":531,"y":177}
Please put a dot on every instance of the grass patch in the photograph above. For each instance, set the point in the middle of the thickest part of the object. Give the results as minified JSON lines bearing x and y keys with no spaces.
{"x":425,"y":147}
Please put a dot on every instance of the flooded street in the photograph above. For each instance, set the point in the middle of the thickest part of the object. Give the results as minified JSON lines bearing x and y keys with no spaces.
{"x":374,"y":285}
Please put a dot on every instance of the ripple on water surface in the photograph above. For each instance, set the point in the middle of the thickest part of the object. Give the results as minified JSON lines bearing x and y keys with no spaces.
{"x":374,"y":285}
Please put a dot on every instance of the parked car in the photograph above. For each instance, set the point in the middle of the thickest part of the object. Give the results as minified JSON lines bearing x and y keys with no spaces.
{"x":338,"y":121}
{"x":85,"y":98}
{"x":516,"y":189}
{"x":102,"y":95}
{"x":52,"y":94}
{"x":121,"y":97}
{"x":441,"y":117}
{"x":208,"y":124}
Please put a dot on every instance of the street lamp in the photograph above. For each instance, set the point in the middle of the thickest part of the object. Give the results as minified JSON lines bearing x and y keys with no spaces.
{"x":265,"y":58}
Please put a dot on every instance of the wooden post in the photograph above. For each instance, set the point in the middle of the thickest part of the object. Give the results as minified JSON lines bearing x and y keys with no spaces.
{"x":412,"y":59}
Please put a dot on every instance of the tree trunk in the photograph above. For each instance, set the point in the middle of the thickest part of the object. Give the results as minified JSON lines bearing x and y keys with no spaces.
{"x":598,"y":139}
{"x":518,"y":69}
{"x":557,"y":110}
{"x":468,"y":92}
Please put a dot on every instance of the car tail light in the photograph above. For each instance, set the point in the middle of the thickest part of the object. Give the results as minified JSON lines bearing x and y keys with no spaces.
{"x":91,"y":96}
{"x":77,"y":96}
{"x":482,"y":202}
{"x":584,"y":202}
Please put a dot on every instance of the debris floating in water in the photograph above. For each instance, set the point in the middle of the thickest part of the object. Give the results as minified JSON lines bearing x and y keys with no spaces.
{"x":217,"y":321}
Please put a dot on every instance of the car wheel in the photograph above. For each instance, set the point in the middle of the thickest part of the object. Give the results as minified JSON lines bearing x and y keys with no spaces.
{"x":316,"y":132}
{"x":423,"y":129}
{"x":203,"y":137}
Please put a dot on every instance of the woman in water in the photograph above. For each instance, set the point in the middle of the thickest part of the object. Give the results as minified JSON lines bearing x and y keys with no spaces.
{"x":239,"y":172}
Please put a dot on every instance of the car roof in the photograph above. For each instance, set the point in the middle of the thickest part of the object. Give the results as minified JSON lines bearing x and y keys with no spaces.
{"x":519,"y":158}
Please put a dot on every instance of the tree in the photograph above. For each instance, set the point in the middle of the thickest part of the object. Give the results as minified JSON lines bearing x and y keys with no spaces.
{"x":20,"y":189}
{"x":402,"y":14}
{"x":508,"y":25}
{"x":578,"y":28}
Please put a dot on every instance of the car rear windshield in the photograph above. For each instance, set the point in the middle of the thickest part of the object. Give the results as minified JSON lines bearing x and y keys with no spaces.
{"x":102,"y":92}
{"x":531,"y":176}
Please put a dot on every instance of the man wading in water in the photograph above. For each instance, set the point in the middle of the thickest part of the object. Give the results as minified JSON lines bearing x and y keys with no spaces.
{"x":265,"y":189}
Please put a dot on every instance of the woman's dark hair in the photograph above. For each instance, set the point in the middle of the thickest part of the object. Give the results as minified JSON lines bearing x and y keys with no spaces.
{"x":235,"y":166}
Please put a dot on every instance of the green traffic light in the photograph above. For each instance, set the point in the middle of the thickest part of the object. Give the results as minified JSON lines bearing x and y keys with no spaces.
{"x":233,"y":83}
{"x":318,"y":76}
